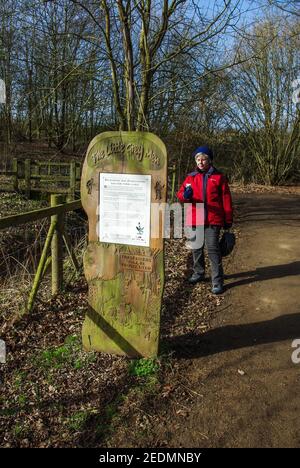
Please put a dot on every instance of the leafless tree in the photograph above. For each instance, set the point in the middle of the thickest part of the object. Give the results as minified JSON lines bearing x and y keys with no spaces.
{"x":262,"y":105}
{"x":142,"y":37}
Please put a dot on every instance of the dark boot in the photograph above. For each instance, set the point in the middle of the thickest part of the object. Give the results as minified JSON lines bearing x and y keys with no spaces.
{"x":196,"y":278}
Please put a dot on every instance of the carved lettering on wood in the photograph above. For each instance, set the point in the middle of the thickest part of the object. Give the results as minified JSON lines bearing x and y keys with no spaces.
{"x":136,"y":262}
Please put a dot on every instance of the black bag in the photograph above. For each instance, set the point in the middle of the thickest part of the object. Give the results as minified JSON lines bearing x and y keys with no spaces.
{"x":227,"y":243}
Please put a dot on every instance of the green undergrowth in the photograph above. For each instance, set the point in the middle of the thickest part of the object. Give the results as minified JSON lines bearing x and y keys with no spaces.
{"x":143,"y":367}
{"x":68,"y":354}
{"x":14,"y":203}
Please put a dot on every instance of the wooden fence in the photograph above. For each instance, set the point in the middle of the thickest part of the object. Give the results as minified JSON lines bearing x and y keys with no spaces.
{"x":56,"y":236}
{"x":42,"y":176}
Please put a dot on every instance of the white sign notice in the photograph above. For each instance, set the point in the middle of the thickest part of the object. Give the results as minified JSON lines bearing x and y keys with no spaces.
{"x":125,"y":203}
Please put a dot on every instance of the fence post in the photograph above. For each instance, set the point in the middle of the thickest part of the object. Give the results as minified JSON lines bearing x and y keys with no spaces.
{"x":27,"y":178}
{"x":15,"y":170}
{"x":71,"y":196}
{"x":57,"y":247}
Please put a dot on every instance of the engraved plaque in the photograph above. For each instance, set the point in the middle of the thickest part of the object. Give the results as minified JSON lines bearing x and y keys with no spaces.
{"x":136,"y":262}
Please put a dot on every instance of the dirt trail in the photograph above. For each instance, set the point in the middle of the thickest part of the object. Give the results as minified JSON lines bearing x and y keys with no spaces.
{"x":249,"y":388}
{"x":226,"y":377}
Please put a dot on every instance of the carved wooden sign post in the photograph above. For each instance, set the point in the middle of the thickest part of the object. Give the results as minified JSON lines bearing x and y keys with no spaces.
{"x":124,"y":174}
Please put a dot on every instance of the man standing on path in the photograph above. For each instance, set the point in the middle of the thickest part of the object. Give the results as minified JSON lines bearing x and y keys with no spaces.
{"x":209,"y":187}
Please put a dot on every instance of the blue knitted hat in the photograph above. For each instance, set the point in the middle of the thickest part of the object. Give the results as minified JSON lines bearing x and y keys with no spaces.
{"x":204,"y":149}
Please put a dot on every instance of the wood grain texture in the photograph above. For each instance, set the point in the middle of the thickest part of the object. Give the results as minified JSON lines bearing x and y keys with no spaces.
{"x":125,"y":282}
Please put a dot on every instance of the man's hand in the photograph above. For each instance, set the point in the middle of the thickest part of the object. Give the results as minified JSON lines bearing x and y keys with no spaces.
{"x":188,"y":192}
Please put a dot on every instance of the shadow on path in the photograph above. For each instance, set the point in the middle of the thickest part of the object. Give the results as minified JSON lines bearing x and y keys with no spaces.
{"x":231,"y":337}
{"x":264,"y":273}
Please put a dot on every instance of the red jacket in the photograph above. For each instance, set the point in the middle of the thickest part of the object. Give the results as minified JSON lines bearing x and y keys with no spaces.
{"x":218,"y":205}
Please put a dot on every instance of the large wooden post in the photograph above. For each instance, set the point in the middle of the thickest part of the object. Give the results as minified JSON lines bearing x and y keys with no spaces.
{"x":57,"y":247}
{"x":124,"y":175}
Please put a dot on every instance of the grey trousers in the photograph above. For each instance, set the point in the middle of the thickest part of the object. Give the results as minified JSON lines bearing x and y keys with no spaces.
{"x":208,"y":236}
